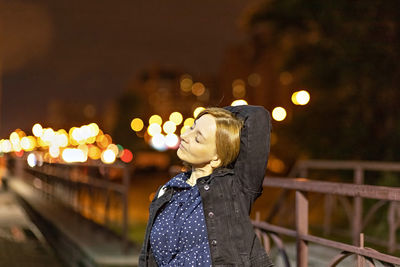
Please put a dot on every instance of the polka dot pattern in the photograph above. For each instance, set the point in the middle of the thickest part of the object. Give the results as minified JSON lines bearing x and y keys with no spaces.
{"x":179,"y":234}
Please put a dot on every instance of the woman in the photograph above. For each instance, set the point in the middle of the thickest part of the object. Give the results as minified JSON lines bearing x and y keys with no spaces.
{"x":201,"y":217}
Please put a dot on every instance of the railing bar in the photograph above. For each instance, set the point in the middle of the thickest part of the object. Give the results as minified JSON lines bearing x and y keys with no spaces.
{"x":352,"y":190}
{"x":275,"y":228}
{"x":349,"y":165}
{"x":353,"y":249}
{"x":326,"y":242}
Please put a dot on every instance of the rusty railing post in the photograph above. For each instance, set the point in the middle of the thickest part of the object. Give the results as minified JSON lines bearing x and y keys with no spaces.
{"x":358,"y":206}
{"x":301,"y":228}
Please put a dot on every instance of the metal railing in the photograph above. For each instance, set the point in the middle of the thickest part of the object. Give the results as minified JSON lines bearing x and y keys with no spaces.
{"x":81,"y":187}
{"x":303,"y":186}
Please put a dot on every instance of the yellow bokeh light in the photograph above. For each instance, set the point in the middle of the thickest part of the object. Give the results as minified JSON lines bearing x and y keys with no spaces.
{"x":94,"y":129}
{"x":102,"y":141}
{"x":197,"y":111}
{"x":94,"y":152}
{"x":279,"y":113}
{"x":169,"y":127}
{"x":137,"y":124}
{"x":28,"y":143}
{"x":14,"y":138}
{"x":239,"y":102}
{"x":37,"y":130}
{"x":108,"y":156}
{"x":188,"y":122}
{"x":176,"y":117}
{"x":154,"y":129}
{"x":276,"y":165}
{"x":300,"y":97}
{"x":155,"y":119}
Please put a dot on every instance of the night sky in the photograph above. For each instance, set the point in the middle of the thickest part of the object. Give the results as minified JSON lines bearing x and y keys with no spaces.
{"x":88,"y":51}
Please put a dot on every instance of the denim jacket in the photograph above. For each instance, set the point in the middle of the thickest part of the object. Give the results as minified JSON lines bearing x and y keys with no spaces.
{"x":227,"y":196}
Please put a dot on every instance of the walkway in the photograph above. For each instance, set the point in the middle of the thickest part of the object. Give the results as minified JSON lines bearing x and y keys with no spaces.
{"x":21,"y":243}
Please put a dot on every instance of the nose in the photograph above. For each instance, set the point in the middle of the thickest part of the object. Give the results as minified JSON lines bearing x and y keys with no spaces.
{"x":185,"y":136}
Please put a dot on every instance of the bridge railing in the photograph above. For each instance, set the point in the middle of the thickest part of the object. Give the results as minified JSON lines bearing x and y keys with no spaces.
{"x":302,"y":187}
{"x":92,"y":190}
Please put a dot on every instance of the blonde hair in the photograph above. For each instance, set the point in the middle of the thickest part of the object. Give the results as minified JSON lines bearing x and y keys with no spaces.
{"x":227,"y":135}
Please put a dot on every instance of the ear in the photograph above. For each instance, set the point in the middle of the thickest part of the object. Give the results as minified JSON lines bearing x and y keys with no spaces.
{"x":215,"y":162}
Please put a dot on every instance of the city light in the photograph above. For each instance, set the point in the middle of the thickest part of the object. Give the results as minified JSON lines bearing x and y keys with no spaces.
{"x":239,"y":102}
{"x":176,"y":117}
{"x":73,"y":155}
{"x":279,"y":113}
{"x":108,"y":156}
{"x":31,"y":160}
{"x":37,"y":130}
{"x":169,"y":127}
{"x":172,"y":141}
{"x":254,"y":79}
{"x":154,"y":129}
{"x":137,"y":124}
{"x":197,"y":111}
{"x":155,"y":119}
{"x":300,"y":97}
{"x":126,"y":156}
{"x":158,"y":142}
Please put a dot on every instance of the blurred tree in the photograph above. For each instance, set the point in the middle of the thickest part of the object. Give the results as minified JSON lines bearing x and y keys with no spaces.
{"x":347,"y":54}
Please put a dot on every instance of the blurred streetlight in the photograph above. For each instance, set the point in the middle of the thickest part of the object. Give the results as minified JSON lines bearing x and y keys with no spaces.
{"x":300,"y":97}
{"x":279,"y":113}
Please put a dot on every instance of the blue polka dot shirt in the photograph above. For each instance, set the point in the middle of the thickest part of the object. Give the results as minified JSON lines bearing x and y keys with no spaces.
{"x":179,"y":234}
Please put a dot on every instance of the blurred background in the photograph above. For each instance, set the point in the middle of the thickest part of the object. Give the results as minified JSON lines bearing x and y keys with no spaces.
{"x":114,"y":84}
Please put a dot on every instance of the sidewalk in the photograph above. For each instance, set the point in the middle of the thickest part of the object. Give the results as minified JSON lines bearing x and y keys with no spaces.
{"x":78,"y":242}
{"x":21,"y":243}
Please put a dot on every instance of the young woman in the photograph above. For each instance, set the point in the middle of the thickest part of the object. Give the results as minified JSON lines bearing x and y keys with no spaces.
{"x":201,"y":217}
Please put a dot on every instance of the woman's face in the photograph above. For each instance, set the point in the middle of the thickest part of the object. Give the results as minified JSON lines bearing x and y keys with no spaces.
{"x":198,"y":143}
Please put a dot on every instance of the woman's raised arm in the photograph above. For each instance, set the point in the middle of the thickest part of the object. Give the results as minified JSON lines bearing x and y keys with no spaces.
{"x":252,"y":161}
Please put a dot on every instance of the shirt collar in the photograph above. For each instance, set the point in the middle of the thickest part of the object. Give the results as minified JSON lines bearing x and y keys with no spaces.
{"x":179,"y":181}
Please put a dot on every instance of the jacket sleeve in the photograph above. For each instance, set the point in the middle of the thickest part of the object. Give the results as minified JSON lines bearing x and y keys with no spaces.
{"x":252,"y":161}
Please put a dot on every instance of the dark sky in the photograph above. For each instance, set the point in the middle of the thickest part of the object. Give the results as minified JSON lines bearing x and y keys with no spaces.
{"x":90,"y":49}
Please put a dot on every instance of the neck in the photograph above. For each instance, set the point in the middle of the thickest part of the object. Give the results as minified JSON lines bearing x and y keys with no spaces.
{"x":198,"y":172}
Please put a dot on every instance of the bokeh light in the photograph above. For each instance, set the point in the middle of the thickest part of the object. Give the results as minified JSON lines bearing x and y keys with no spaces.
{"x":155,"y":119}
{"x":239,"y":102}
{"x":169,"y":127}
{"x":31,"y":160}
{"x":198,"y":89}
{"x":279,"y":113}
{"x":176,"y":117}
{"x":188,"y":122}
{"x":37,"y":130}
{"x":126,"y":156}
{"x":197,"y":111}
{"x":137,"y":124}
{"x":154,"y":129}
{"x":108,"y":156}
{"x":172,"y":141}
{"x":73,"y":155}
{"x":158,"y":142}
{"x":300,"y":97}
